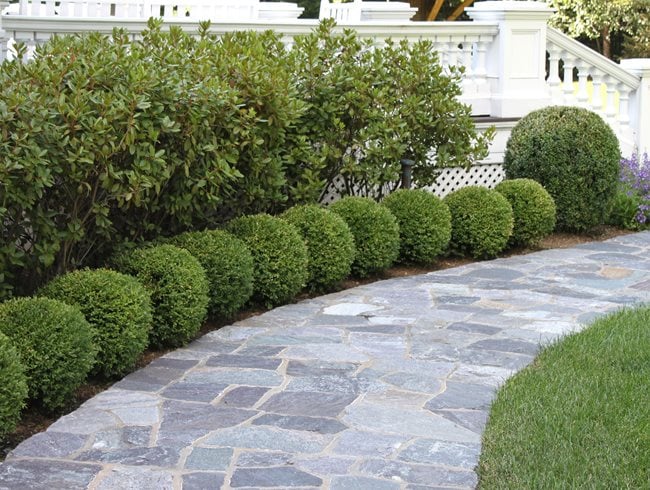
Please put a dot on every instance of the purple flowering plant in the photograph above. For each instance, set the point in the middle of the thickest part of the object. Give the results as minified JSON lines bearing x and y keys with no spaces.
{"x":631,"y":205}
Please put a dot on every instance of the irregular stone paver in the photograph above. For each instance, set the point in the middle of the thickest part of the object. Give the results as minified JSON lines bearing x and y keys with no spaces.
{"x":385,"y":386}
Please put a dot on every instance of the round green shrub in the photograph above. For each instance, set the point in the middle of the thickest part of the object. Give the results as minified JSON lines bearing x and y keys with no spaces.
{"x":13,"y":389}
{"x":118,"y":308}
{"x":424,"y":224}
{"x":178,"y":287}
{"x":279,"y":255}
{"x":55,"y":345}
{"x":375,"y":231}
{"x":533,"y":210}
{"x":228,"y":265}
{"x":481,"y":221}
{"x":330,"y":244}
{"x":575,"y":155}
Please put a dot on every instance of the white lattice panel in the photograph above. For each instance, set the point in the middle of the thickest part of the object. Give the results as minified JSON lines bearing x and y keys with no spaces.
{"x":449,"y":180}
{"x":454,"y":178}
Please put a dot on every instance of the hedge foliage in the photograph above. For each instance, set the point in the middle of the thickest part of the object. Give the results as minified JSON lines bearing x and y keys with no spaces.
{"x":424,"y":224}
{"x":330,"y":244}
{"x":13,"y":389}
{"x":481,"y":221}
{"x":118,"y":308}
{"x":533,"y":210}
{"x":279,"y":257}
{"x":228,"y":265}
{"x":55,"y":345}
{"x":175,"y":132}
{"x":179,"y":291}
{"x":575,"y":155}
{"x":375,"y":231}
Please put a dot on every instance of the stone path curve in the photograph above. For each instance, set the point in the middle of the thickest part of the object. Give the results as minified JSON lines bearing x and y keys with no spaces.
{"x":385,"y":386}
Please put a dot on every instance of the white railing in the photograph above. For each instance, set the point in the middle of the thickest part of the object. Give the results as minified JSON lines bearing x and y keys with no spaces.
{"x":602,"y":85}
{"x":359,"y":10}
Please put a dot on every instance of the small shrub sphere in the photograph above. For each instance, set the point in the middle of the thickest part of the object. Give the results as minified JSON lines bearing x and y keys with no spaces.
{"x":424,"y":224}
{"x":118,"y":308}
{"x":481,"y":221}
{"x":375,"y":231}
{"x":279,"y":255}
{"x":330,"y":244}
{"x":178,"y":287}
{"x":13,"y":389}
{"x":533,"y":210}
{"x":55,"y":345}
{"x":228,"y":265}
{"x":575,"y":155}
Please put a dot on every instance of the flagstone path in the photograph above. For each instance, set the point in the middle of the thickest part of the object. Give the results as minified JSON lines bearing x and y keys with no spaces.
{"x":385,"y":386}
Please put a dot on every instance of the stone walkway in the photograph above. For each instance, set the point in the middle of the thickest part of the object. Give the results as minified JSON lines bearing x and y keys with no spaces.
{"x":385,"y":386}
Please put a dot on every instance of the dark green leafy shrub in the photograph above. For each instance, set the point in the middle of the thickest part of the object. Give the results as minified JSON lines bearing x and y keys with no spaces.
{"x":228,"y":265}
{"x":575,"y":155}
{"x":178,"y":287}
{"x":150,"y":137}
{"x":330,"y":244}
{"x":279,"y":256}
{"x":118,"y":308}
{"x":424,"y":224}
{"x":370,"y":106}
{"x":55,"y":345}
{"x":375,"y":231}
{"x":481,"y":221}
{"x":624,"y":210}
{"x":13,"y":389}
{"x":533,"y":210}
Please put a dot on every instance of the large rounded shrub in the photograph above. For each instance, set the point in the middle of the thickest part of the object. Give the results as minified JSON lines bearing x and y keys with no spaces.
{"x":575,"y":155}
{"x":424,"y":224}
{"x":279,"y":255}
{"x":375,"y":231}
{"x":118,"y":308}
{"x":481,"y":221}
{"x":330,"y":244}
{"x":228,"y":265}
{"x":13,"y":389}
{"x":533,"y":210}
{"x":55,"y":345}
{"x":178,"y":287}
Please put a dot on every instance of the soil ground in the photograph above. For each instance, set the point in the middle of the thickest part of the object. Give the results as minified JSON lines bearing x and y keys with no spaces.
{"x":34,"y":420}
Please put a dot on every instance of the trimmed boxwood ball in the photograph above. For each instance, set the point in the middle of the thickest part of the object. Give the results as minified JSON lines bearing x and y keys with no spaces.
{"x":178,"y":287}
{"x":13,"y":388}
{"x":533,"y":209}
{"x":375,"y":231}
{"x":330,"y":244}
{"x":118,"y":308}
{"x":55,"y":345}
{"x":481,"y":221}
{"x":424,"y":224}
{"x":279,"y":255}
{"x":228,"y":265}
{"x":575,"y":155}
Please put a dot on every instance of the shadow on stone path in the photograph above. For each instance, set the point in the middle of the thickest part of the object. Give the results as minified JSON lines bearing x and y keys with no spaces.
{"x":385,"y":386}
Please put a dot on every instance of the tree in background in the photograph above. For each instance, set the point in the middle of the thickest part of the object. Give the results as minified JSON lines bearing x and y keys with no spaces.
{"x":599,"y":20}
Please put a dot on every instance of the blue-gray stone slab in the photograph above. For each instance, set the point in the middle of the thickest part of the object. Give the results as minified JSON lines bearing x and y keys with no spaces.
{"x":309,"y":424}
{"x":36,"y":474}
{"x":209,"y":458}
{"x":283,"y":477}
{"x":243,"y":396}
{"x":314,"y":404}
{"x":200,"y":480}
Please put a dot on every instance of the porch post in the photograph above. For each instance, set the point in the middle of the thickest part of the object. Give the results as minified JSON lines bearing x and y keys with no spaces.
{"x":640,"y":102}
{"x":4,"y":39}
{"x":516,"y":60}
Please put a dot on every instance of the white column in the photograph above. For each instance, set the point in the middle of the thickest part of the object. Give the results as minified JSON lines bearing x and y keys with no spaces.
{"x":517,"y":57}
{"x":639,"y":102}
{"x":4,"y":38}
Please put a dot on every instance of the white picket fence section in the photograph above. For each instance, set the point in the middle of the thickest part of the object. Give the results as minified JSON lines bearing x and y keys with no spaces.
{"x":513,"y":62}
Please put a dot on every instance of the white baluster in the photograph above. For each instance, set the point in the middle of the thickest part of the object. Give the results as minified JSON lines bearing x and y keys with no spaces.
{"x":583,"y":75}
{"x":624,"y":107}
{"x":23,"y":7}
{"x":596,"y":95}
{"x":610,"y":111}
{"x":452,"y":52}
{"x":553,"y":79}
{"x":469,"y":86}
{"x":567,"y":85}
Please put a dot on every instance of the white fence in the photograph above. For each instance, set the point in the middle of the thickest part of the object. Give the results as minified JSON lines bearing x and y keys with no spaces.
{"x":513,"y":61}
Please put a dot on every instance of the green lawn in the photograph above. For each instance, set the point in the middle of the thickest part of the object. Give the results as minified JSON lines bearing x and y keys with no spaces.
{"x":579,"y":417}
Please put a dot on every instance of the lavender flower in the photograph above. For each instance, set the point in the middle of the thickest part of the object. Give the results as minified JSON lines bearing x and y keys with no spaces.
{"x":635,"y":181}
